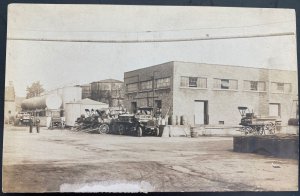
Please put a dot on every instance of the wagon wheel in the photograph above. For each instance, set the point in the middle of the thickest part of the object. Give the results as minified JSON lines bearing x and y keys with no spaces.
{"x":121,"y":129}
{"x":103,"y":129}
{"x":258,"y":130}
{"x":270,"y":126}
{"x":247,"y":130}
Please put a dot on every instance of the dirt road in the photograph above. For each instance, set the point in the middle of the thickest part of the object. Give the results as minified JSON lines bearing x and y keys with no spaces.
{"x":61,"y":160}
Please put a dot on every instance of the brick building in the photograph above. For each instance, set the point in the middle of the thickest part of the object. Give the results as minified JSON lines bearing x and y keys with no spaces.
{"x":86,"y":91}
{"x":209,"y":93}
{"x":109,"y":91}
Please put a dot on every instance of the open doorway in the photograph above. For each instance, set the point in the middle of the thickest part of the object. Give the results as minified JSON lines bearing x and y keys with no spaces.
{"x":201,"y":112}
{"x":133,"y":107}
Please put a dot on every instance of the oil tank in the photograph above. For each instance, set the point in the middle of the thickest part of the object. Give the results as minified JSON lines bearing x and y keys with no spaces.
{"x":46,"y":101}
{"x":71,"y":94}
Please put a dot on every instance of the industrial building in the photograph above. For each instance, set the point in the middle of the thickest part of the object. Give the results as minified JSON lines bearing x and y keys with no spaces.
{"x":86,"y":91}
{"x":108,"y":91}
{"x":209,"y":94}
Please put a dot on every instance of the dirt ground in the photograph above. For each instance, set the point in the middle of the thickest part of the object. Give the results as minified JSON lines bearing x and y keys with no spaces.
{"x":61,"y":160}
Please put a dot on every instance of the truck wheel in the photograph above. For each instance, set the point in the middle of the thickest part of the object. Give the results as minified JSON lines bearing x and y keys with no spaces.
{"x":139,"y":132}
{"x":103,"y":129}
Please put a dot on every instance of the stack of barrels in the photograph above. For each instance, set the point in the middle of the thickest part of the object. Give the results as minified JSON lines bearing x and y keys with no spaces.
{"x":177,"y":120}
{"x":194,"y":132}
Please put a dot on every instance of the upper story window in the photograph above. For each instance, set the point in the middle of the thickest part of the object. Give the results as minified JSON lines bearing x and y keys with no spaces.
{"x":163,"y":82}
{"x":146,"y":85}
{"x":132,"y":87}
{"x":279,"y":87}
{"x":225,"y":84}
{"x":196,"y":82}
{"x":254,"y":85}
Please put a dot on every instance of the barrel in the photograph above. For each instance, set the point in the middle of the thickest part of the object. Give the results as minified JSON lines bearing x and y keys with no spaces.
{"x":194,"y":132}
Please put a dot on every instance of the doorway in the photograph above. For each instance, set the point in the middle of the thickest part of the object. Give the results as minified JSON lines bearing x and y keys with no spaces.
{"x":274,"y":109}
{"x":201,"y":112}
{"x":133,"y":107}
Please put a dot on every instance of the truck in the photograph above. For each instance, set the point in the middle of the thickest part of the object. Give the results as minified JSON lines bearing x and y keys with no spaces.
{"x":22,"y":118}
{"x":144,"y":122}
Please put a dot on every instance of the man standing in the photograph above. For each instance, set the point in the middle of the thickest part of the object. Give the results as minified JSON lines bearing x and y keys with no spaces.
{"x":30,"y":124}
{"x":37,"y":122}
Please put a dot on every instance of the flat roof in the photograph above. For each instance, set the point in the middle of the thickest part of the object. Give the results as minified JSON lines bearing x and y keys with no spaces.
{"x":238,"y":66}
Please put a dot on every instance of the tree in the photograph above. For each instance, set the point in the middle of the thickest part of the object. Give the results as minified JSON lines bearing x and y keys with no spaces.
{"x":34,"y":90}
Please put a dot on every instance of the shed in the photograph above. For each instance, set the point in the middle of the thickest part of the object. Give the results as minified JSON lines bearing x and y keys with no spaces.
{"x":73,"y":110}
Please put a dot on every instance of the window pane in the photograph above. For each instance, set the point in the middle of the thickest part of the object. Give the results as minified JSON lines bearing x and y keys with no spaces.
{"x":184,"y":81}
{"x":193,"y":82}
{"x":261,"y":86}
{"x":287,"y":88}
{"x":217,"y":83}
{"x":224,"y":84}
{"x":253,"y":85}
{"x":146,"y":85}
{"x":132,"y":87}
{"x":202,"y":83}
{"x":280,"y":87}
{"x":233,"y":84}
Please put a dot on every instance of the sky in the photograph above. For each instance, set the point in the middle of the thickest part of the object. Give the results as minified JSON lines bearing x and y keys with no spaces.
{"x":59,"y":63}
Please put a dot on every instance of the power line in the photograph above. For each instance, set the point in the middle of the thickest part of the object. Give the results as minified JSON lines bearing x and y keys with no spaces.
{"x":153,"y":40}
{"x":154,"y":31}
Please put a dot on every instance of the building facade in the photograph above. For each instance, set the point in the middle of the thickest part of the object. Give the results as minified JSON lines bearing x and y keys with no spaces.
{"x":108,"y":91}
{"x":211,"y":94}
{"x":86,"y":91}
{"x":9,"y":103}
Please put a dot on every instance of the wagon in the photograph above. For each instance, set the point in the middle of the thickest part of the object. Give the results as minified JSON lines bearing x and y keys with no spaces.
{"x":257,"y":125}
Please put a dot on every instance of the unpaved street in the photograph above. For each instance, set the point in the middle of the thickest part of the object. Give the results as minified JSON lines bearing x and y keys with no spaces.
{"x":61,"y":160}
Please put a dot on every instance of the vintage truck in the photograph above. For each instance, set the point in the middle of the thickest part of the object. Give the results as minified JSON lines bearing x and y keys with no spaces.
{"x":139,"y":124}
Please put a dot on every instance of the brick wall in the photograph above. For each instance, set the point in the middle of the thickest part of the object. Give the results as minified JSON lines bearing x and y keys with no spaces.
{"x":145,"y":97}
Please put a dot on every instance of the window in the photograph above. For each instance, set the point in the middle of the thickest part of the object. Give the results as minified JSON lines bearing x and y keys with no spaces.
{"x":254,"y":85}
{"x":198,"y":82}
{"x":193,"y":82}
{"x":163,"y":82}
{"x":146,"y":85}
{"x":279,"y":87}
{"x":225,"y":84}
{"x":132,"y":87}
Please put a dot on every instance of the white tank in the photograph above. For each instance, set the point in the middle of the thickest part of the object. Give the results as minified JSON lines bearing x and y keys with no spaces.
{"x":53,"y":102}
{"x":71,"y":94}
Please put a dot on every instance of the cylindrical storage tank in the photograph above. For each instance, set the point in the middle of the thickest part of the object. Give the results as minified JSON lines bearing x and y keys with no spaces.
{"x":42,"y":102}
{"x":34,"y":103}
{"x":53,"y":102}
{"x":71,"y":94}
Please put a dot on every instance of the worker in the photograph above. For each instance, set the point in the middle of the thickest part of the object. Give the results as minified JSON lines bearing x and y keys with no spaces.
{"x":37,"y":122}
{"x":30,"y":124}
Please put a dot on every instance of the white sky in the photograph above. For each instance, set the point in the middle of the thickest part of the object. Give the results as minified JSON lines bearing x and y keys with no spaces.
{"x":61,"y":63}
